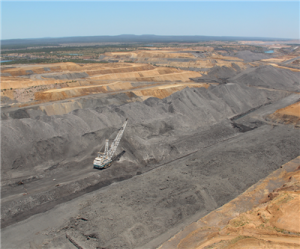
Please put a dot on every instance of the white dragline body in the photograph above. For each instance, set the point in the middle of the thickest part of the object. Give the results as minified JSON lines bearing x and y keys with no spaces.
{"x":103,"y":160}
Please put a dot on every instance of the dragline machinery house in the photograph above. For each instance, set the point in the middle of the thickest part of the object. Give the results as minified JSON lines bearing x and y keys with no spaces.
{"x":103,"y":160}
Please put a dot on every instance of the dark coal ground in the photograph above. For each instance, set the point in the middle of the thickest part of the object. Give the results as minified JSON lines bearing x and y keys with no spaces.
{"x":184,"y":157}
{"x":140,"y":210}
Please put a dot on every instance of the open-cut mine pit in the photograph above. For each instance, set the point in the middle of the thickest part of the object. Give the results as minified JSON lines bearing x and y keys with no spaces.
{"x":287,"y":115}
{"x":264,"y":216}
{"x":203,"y":128}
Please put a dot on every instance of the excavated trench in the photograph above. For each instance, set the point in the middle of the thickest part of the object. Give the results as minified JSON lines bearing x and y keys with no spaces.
{"x":185,"y":156}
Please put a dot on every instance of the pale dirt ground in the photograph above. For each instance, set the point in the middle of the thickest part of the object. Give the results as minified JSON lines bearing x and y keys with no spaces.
{"x":287,"y":115}
{"x":264,"y":216}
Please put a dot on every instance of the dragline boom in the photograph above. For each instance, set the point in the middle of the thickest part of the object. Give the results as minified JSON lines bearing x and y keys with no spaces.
{"x":103,"y":160}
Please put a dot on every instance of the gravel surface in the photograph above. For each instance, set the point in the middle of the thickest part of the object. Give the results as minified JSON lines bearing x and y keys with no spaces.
{"x":184,"y":157}
{"x":138,"y":213}
{"x":35,"y":144}
{"x":249,"y":56}
{"x":269,"y":77}
{"x":219,"y":74}
{"x":68,"y":76}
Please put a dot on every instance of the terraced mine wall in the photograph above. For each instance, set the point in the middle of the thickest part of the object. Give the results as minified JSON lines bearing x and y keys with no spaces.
{"x":186,"y":154}
{"x":37,"y":84}
{"x":66,"y":106}
{"x":56,"y":138}
{"x":40,"y":148}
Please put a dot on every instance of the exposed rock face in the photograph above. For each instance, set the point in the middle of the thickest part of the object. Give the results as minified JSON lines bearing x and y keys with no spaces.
{"x":264,"y":216}
{"x":62,"y":81}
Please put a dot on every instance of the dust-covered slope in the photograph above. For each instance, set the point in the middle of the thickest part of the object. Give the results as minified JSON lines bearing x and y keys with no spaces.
{"x":258,"y":218}
{"x":249,"y":56}
{"x":146,"y":210}
{"x":269,"y":77}
{"x":185,"y":143}
{"x":36,"y":144}
{"x":37,"y":150}
{"x":219,"y":74}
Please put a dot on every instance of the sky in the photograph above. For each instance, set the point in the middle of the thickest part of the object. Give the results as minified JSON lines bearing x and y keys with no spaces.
{"x":39,"y":19}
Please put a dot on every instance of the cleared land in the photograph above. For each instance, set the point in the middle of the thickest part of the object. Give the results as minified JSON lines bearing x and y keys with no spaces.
{"x":264,"y":216}
{"x":287,"y":115}
{"x":66,"y":80}
{"x":195,"y":140}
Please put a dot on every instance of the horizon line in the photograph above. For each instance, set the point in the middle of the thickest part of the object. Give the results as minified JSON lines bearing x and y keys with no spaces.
{"x":151,"y":1}
{"x":82,"y":36}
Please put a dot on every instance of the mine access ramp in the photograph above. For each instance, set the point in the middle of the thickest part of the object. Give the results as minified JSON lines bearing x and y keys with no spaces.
{"x":104,"y":160}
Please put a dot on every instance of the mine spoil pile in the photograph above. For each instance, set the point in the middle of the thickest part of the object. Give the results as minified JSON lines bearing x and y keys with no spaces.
{"x":60,"y":81}
{"x":188,"y":152}
{"x":264,"y":216}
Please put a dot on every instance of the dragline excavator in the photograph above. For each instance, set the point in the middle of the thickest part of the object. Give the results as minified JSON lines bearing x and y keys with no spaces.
{"x":104,"y":160}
